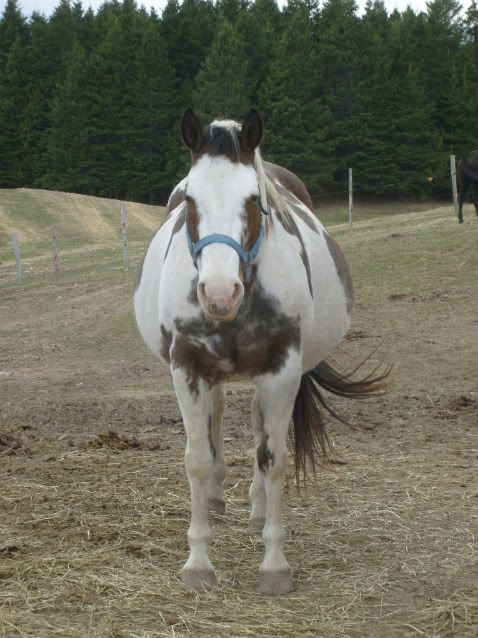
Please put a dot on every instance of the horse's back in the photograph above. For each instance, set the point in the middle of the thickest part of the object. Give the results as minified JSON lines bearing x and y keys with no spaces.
{"x":289,"y":181}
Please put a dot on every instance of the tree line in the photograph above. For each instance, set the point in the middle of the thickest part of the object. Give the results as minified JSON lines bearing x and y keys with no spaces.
{"x":90,"y":102}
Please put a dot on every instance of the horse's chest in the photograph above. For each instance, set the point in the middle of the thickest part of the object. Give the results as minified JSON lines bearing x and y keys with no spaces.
{"x":247,"y":347}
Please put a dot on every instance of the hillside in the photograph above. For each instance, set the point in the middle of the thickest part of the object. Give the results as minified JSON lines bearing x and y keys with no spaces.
{"x":79,"y":219}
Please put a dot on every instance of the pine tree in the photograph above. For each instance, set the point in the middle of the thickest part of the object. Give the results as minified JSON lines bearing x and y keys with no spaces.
{"x":13,"y":25}
{"x":337,"y":30}
{"x":187,"y":29}
{"x":223,"y":85}
{"x":14,"y":98}
{"x":298,"y":122}
{"x":66,"y":150}
{"x":259,"y":27}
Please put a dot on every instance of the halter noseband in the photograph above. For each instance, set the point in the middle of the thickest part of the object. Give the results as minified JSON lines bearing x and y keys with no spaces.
{"x":247,"y":257}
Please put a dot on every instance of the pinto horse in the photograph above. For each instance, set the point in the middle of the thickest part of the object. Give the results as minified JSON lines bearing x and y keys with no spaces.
{"x":468,"y":174}
{"x":242,"y":281}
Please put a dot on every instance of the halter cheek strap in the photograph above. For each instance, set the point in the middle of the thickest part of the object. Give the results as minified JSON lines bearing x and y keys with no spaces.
{"x":247,"y":257}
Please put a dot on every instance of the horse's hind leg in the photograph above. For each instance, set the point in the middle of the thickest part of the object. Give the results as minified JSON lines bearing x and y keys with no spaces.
{"x":195,"y":402}
{"x":276,"y":395}
{"x":215,"y":490}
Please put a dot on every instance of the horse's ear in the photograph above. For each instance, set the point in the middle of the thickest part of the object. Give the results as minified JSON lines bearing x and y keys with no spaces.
{"x":191,"y":130}
{"x":251,"y":131}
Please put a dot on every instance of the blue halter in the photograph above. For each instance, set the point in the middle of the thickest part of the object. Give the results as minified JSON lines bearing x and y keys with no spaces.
{"x":216,"y":238}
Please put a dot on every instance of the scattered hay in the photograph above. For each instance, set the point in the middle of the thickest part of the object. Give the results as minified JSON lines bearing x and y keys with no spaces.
{"x":115,"y":441}
{"x":11,"y":444}
{"x":355,"y":335}
{"x":120,"y":441}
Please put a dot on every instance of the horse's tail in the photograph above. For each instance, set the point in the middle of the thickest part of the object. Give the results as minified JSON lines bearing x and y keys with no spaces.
{"x":308,"y":433}
{"x":467,"y":171}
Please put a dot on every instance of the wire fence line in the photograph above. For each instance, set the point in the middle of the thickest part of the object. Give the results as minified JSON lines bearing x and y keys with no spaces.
{"x":351,"y":192}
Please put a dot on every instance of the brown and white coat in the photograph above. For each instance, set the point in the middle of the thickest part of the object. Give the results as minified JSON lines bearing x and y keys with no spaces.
{"x":273,"y":321}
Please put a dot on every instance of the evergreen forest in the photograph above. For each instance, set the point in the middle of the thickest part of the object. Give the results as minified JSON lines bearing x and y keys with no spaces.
{"x":91,"y":101}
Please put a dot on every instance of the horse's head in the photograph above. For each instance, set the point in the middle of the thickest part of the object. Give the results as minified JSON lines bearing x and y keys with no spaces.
{"x":224,"y":224}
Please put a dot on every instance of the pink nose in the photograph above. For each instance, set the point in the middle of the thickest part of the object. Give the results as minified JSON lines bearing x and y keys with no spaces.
{"x":220,"y":300}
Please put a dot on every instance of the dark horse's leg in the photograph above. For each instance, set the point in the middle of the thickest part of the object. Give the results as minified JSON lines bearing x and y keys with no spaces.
{"x":464,"y":184}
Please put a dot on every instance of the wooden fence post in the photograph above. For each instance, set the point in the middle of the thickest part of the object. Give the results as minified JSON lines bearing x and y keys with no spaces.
{"x":124,"y":237}
{"x":351,"y":200}
{"x":18,"y":262}
{"x":54,"y":251}
{"x":453,"y":183}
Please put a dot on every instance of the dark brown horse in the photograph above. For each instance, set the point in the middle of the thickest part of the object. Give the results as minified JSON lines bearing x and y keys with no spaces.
{"x":468,"y":176}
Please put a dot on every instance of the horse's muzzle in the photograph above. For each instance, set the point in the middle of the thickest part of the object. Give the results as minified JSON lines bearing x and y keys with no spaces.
{"x":220,"y":301}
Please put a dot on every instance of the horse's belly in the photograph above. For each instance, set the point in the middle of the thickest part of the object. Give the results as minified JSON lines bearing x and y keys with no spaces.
{"x":331,"y":316}
{"x":146,"y":297}
{"x":320,"y":339}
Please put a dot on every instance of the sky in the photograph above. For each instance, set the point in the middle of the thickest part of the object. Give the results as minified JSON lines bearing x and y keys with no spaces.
{"x":47,"y":6}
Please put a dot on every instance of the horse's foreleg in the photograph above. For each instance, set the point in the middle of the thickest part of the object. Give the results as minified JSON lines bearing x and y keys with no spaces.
{"x":196,"y":409}
{"x":215,"y":491}
{"x":464,"y":184}
{"x":257,"y":491}
{"x":276,"y":395}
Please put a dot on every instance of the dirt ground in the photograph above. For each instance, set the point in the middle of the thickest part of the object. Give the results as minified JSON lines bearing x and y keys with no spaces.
{"x":94,"y":500}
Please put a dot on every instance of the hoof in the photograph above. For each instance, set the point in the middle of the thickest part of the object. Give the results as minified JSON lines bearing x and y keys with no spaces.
{"x":215,"y":505}
{"x":276,"y":582}
{"x":198,"y":578}
{"x":256,"y":524}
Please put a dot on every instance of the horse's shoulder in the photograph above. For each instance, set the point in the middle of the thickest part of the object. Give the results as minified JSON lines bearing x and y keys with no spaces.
{"x":290,"y":181}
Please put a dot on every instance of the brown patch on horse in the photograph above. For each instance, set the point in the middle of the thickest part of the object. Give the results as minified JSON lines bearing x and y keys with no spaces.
{"x":209,"y":436}
{"x":256,"y":342}
{"x":253,"y":223}
{"x":265,"y":457}
{"x":298,"y":210}
{"x":193,"y":293}
{"x":291,"y":183}
{"x":192,"y":219}
{"x":291,"y":227}
{"x":342,"y":270}
{"x":224,"y":142}
{"x":166,"y":341}
{"x":177,"y":197}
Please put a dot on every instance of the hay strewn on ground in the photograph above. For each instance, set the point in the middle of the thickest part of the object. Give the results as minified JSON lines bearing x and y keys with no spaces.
{"x":94,"y":501}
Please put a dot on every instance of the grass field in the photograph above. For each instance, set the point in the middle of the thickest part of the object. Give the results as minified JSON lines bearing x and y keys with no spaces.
{"x":94,"y":501}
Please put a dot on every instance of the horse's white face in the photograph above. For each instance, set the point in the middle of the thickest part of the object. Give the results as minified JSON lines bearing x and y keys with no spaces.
{"x":221,"y":197}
